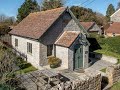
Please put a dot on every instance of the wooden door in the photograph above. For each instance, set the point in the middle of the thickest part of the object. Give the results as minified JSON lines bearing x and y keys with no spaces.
{"x":78,"y":57}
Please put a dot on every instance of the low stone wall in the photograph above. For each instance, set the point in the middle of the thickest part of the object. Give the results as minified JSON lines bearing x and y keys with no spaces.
{"x":113,"y":74}
{"x":90,"y":82}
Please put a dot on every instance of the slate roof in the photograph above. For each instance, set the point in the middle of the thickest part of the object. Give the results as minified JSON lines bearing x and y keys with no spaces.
{"x":87,"y":25}
{"x":37,"y":23}
{"x":67,"y":38}
{"x":114,"y":28}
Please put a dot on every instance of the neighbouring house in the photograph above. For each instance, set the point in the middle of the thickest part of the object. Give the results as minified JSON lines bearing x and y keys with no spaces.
{"x":113,"y":30}
{"x":91,"y":27}
{"x":115,"y":17}
{"x":53,"y":32}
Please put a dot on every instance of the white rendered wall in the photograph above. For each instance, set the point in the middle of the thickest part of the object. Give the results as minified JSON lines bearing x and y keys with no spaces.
{"x":22,"y":47}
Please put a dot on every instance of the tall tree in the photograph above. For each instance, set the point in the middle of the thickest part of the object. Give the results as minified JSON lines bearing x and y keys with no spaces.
{"x":87,"y":15}
{"x":118,"y":5}
{"x":110,"y":11}
{"x":51,"y":4}
{"x":26,"y":8}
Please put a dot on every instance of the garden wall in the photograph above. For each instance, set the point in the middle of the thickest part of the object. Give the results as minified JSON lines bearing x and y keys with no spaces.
{"x":113,"y":74}
{"x":89,"y":82}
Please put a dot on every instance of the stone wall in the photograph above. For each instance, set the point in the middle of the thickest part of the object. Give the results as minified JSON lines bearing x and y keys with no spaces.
{"x":89,"y":82}
{"x":113,"y":74}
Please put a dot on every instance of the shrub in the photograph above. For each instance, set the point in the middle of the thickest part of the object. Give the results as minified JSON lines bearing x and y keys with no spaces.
{"x":20,"y":61}
{"x":26,"y":65}
{"x":54,"y":61}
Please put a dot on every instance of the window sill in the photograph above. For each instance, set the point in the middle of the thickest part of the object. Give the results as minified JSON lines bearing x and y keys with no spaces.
{"x":29,"y":53}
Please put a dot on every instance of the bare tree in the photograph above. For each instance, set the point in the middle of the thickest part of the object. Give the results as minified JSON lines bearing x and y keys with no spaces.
{"x":7,"y":68}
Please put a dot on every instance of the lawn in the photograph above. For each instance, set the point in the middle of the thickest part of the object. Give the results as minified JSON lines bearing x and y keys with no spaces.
{"x":103,"y":70}
{"x":116,"y":86}
{"x":24,"y":66}
{"x":109,"y":46}
{"x":26,"y":70}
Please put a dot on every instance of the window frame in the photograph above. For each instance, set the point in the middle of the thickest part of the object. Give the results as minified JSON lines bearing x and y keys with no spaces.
{"x":29,"y":48}
{"x":16,"y":42}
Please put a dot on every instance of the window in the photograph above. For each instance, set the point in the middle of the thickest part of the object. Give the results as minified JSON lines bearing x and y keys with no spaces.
{"x":29,"y":47}
{"x":16,"y":42}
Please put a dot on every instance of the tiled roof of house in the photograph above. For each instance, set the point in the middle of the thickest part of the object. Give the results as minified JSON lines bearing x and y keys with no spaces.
{"x":67,"y":38}
{"x":87,"y":25}
{"x":114,"y":28}
{"x":37,"y":23}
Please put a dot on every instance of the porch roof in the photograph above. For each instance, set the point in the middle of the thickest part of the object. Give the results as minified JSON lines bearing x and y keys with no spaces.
{"x":67,"y":38}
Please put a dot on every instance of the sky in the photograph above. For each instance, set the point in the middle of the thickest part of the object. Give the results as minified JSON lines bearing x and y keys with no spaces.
{"x":10,"y":7}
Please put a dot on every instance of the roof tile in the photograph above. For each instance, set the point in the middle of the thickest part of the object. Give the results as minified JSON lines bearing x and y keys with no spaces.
{"x":67,"y":38}
{"x":114,"y":28}
{"x":87,"y":25}
{"x":37,"y":23}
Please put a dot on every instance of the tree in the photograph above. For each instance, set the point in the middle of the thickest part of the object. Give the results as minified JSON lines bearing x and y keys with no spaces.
{"x":110,"y":11}
{"x":118,"y":5}
{"x":51,"y":4}
{"x":87,"y":15}
{"x":26,"y":8}
{"x":7,"y":68}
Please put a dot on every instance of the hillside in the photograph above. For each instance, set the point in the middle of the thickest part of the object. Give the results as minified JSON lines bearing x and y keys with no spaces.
{"x":87,"y":14}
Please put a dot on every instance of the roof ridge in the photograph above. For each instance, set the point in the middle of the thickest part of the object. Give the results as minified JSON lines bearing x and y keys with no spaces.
{"x":47,"y":10}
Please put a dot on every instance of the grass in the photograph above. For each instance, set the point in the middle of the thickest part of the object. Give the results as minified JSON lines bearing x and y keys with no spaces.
{"x":109,"y":53}
{"x":110,"y":46}
{"x":24,"y":66}
{"x":103,"y":70}
{"x":26,"y":70}
{"x":116,"y":86}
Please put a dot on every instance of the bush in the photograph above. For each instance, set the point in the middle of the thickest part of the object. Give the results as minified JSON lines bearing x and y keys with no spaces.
{"x":54,"y":62}
{"x":26,"y":65}
{"x":20,"y":61}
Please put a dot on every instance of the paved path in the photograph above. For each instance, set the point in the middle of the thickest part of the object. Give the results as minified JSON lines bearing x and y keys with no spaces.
{"x":100,"y":64}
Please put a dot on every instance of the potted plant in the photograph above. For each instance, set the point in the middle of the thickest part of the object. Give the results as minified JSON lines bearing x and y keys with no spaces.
{"x":54,"y":62}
